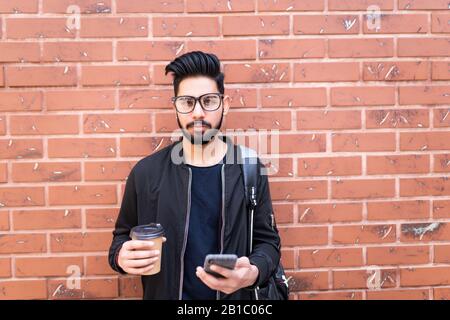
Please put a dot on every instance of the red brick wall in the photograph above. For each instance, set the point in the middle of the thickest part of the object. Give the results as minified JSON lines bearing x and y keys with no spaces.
{"x":362,"y":194}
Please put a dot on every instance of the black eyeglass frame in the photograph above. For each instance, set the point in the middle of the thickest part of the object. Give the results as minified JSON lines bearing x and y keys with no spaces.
{"x":174,"y":99}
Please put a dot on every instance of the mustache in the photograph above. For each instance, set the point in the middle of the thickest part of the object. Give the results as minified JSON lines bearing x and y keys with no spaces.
{"x":199,"y":122}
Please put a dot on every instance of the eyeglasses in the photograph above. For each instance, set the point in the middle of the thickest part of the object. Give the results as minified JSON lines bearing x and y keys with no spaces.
{"x":208,"y":102}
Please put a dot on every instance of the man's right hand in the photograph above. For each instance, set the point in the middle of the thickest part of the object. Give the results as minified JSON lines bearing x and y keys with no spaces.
{"x":138,"y":257}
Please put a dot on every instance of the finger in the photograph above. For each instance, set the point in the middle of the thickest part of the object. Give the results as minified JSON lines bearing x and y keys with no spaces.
{"x":140,"y":263}
{"x":137,"y":271}
{"x":139,"y":244}
{"x":142,"y":254}
{"x":209,"y":280}
{"x":227,"y":273}
{"x":164,"y":239}
{"x":242,"y":262}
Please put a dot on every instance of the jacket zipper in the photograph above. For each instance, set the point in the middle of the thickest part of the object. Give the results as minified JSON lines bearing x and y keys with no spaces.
{"x":222,"y":231}
{"x":186,"y":228}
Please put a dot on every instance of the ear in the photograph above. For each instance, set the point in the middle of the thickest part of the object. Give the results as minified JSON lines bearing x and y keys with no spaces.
{"x":226,"y":104}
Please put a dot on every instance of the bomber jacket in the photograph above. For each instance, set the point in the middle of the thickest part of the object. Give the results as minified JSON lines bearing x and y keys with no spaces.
{"x":158,"y":190}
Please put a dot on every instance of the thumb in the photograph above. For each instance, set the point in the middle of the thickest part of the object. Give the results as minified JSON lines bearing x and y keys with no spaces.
{"x":164,"y":239}
{"x":242,"y":262}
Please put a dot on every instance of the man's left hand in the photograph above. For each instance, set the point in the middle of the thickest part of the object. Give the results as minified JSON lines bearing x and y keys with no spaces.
{"x":243,"y":275}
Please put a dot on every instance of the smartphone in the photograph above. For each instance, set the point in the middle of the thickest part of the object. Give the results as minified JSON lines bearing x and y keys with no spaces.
{"x":223,"y":260}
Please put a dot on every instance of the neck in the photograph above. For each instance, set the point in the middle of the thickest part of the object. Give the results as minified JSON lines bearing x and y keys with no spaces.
{"x":204,"y":155}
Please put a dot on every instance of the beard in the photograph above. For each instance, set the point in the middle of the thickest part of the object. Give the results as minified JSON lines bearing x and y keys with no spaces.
{"x":200,"y":138}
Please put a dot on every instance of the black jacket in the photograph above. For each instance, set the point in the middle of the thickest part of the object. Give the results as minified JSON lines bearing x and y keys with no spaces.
{"x":158,"y":190}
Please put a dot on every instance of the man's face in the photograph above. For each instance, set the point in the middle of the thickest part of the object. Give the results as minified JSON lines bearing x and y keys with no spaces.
{"x":199,"y":126}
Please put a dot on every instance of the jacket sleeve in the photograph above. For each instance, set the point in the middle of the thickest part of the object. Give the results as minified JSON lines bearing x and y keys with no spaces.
{"x":266,"y":241}
{"x":126,"y":220}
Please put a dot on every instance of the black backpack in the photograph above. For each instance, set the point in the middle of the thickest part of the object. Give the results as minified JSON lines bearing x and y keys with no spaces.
{"x":277,"y":287}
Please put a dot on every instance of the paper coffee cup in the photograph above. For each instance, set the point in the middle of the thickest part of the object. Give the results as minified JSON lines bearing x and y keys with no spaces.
{"x":153,"y":232}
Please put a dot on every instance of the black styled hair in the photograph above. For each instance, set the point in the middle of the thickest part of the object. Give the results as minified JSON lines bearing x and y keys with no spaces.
{"x":196,"y":63}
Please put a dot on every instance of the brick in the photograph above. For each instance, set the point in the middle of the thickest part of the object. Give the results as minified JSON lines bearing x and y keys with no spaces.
{"x":278,"y":167}
{"x":21,"y":196}
{"x":201,"y":6}
{"x":107,"y":170}
{"x":43,"y":125}
{"x":145,"y":99}
{"x":283,"y":190}
{"x":291,"y":5}
{"x":423,"y":47}
{"x":442,"y":254}
{"x":424,"y":95}
{"x":23,"y":289}
{"x":112,"y":123}
{"x":79,"y":100}
{"x":305,"y":281}
{"x":398,"y":255}
{"x":326,"y":72}
{"x":326,"y":120}
{"x":226,"y":49}
{"x":362,"y":96}
{"x":405,"y":118}
{"x":284,"y":213}
{"x":362,"y":234}
{"x":18,"y":6}
{"x":439,"y":23}
{"x":148,"y":50}
{"x":390,"y":210}
{"x":144,"y":6}
{"x":46,"y":172}
{"x":2,"y":129}
{"x":104,"y":194}
{"x":47,"y":266}
{"x":41,"y":76}
{"x":241,"y":97}
{"x":332,"y":295}
{"x":20,"y":148}
{"x":115,"y":75}
{"x":81,"y":147}
{"x":293,"y":97}
{"x":80,"y":242}
{"x":440,"y":70}
{"x":425,"y":232}
{"x":291,"y":48}
{"x":257,"y":72}
{"x":3,"y":173}
{"x":423,"y":5}
{"x":419,"y":294}
{"x":359,"y":189}
{"x":425,"y":141}
{"x":303,"y":236}
{"x":78,"y":51}
{"x":5,"y":267}
{"x":288,"y":257}
{"x":360,"y":279}
{"x":424,"y":186}
{"x":20,"y":101}
{"x":98,"y":266}
{"x":130,"y":287}
{"x":19,"y":52}
{"x":398,"y":23}
{"x":361,"y":48}
{"x":302,"y":143}
{"x":22,"y":243}
{"x":101,"y":218}
{"x":441,"y":163}
{"x":85,"y":6}
{"x":259,"y":120}
{"x":395,"y":70}
{"x":255,"y":25}
{"x":359,"y":5}
{"x":46,"y":219}
{"x":113,"y":27}
{"x":441,"y":209}
{"x":329,"y":166}
{"x":329,"y":213}
{"x":185,"y":27}
{"x":4,"y":221}
{"x":398,"y":164}
{"x":326,"y":24}
{"x":23,"y":28}
{"x":90,"y":289}
{"x":427,"y":276}
{"x":321,"y":258}
{"x":363,"y":142}
{"x":441,"y":293}
{"x":159,"y":75}
{"x":136,"y":147}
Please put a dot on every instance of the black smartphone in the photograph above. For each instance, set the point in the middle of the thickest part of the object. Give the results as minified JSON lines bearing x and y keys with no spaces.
{"x":223,"y":260}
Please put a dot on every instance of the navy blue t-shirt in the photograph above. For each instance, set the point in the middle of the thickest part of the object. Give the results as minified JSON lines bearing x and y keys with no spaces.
{"x":204,"y":224}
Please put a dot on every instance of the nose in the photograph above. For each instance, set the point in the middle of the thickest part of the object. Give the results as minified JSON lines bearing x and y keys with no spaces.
{"x":198,"y":112}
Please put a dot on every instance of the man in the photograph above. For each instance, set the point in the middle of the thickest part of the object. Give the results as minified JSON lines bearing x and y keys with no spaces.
{"x":199,"y":201}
